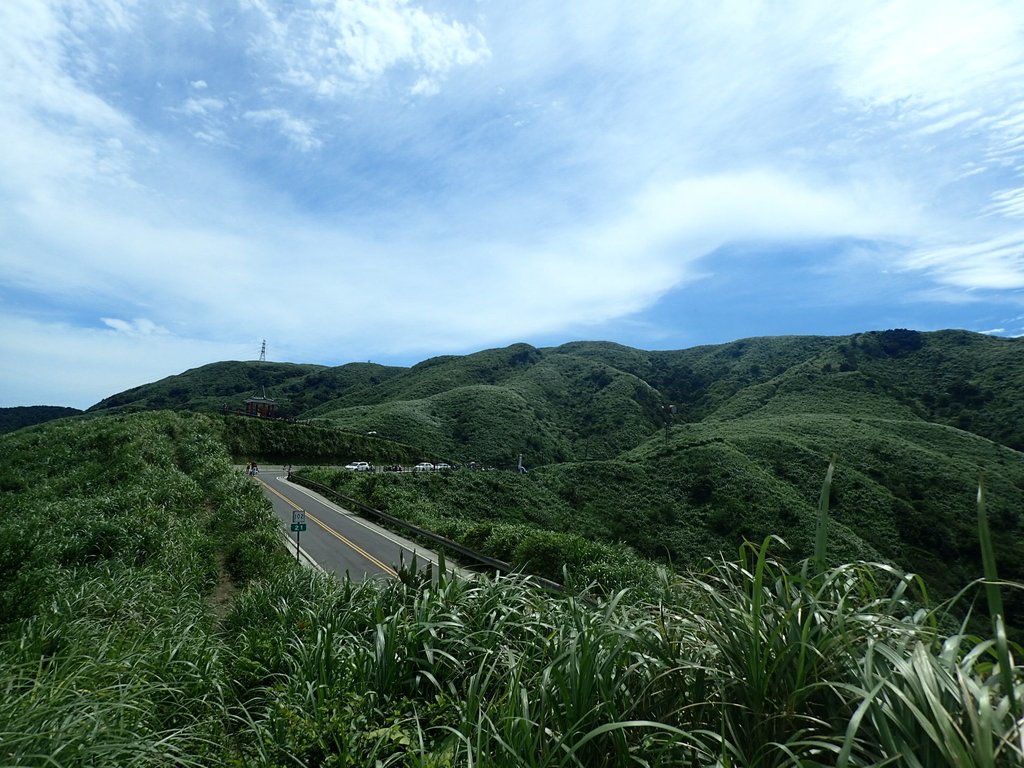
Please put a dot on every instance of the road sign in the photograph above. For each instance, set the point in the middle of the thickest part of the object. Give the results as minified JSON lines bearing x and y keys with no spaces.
{"x":298,"y":516}
{"x":298,"y":526}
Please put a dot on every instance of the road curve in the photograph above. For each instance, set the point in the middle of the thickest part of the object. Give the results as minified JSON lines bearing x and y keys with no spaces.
{"x":335,"y":539}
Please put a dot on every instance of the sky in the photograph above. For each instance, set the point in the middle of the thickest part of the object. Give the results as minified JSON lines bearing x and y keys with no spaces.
{"x":391,"y":180}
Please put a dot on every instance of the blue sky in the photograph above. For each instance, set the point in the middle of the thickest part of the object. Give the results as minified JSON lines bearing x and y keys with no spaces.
{"x":386,"y":180}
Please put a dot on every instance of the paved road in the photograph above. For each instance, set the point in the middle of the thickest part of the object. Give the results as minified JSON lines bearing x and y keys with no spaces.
{"x":336,"y":539}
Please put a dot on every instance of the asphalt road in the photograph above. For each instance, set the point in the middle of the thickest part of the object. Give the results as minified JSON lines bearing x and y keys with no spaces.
{"x":335,"y":539}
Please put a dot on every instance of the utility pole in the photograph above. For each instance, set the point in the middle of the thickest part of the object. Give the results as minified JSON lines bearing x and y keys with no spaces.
{"x":263,"y":352}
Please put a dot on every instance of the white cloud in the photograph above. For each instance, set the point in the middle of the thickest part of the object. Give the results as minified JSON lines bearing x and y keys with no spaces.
{"x":425,"y":86}
{"x":318,"y":288}
{"x":927,"y":51}
{"x":53,"y":131}
{"x":994,"y":264}
{"x":1008,"y":203}
{"x":213,"y":136}
{"x":298,"y":132}
{"x":202,"y":106}
{"x":767,"y":204}
{"x":592,"y":158}
{"x":48,"y":363}
{"x":140,"y":326}
{"x":335,"y":46}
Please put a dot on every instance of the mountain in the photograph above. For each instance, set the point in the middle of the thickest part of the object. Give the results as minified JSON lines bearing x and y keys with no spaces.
{"x":295,"y":388}
{"x":12,"y":419}
{"x":594,"y":400}
{"x":911,"y":419}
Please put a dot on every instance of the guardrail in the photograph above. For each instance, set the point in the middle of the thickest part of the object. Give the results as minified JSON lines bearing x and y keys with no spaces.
{"x":394,"y":522}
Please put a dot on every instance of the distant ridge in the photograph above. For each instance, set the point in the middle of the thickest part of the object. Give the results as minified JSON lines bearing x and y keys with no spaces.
{"x":590,"y":400}
{"x":21,"y":416}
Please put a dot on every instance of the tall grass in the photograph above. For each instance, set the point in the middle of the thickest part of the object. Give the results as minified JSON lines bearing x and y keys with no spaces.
{"x":112,"y":673}
{"x":110,"y":654}
{"x":752,"y":661}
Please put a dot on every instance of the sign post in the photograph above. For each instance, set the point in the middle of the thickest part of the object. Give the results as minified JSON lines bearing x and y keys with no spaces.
{"x":298,"y":525}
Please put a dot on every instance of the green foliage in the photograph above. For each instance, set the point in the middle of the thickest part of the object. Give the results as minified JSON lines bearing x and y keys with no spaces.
{"x":899,"y":494}
{"x":595,"y":400}
{"x":319,"y":442}
{"x":500,"y":514}
{"x":749,"y":663}
{"x":119,"y":657}
{"x":546,"y":406}
{"x":12,"y":419}
{"x":109,"y":546}
{"x":226,"y":385}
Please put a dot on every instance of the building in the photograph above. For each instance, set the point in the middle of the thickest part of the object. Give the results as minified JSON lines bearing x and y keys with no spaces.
{"x":261,"y":405}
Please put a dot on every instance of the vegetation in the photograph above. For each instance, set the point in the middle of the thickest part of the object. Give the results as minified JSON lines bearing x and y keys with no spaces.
{"x":593,"y":400}
{"x":316,"y":442}
{"x":113,"y":536}
{"x":114,"y":649}
{"x":721,"y":611}
{"x":901,"y":495}
{"x":502,"y":516}
{"x":226,"y":385}
{"x":912,"y":418}
{"x":12,"y":419}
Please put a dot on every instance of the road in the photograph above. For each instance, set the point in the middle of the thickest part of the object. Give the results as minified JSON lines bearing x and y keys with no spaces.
{"x":335,"y":539}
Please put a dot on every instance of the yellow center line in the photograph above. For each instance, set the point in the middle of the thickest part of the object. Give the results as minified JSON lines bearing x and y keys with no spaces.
{"x":386,"y":568}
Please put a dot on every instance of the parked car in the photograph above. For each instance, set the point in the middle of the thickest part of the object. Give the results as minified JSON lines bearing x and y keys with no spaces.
{"x":423,"y":466}
{"x":442,"y":466}
{"x":359,"y":466}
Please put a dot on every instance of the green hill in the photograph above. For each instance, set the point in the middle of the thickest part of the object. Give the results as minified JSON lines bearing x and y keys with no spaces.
{"x":593,"y":400}
{"x":911,"y":418}
{"x":295,"y":388}
{"x":12,"y":419}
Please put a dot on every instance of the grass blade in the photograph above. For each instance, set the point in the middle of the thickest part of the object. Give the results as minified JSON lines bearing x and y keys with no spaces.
{"x":820,"y":534}
{"x":995,"y":599}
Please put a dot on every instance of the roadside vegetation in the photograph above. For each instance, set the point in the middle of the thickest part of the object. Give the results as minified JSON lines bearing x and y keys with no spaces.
{"x":902,"y":495}
{"x":121,"y":534}
{"x":269,"y":440}
{"x":911,"y":417}
{"x":114,"y":535}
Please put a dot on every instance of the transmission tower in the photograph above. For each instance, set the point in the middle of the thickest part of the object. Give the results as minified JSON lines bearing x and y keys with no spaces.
{"x":263,"y":352}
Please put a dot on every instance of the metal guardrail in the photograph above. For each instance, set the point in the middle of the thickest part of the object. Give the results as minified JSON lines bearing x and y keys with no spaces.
{"x":394,"y":522}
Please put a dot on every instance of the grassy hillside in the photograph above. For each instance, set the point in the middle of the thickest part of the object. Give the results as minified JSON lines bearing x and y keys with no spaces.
{"x":114,"y":536}
{"x":12,"y":419}
{"x":313,"y":442}
{"x":295,"y":388}
{"x":593,"y":400}
{"x":491,"y":406}
{"x":159,"y":622}
{"x":966,"y":380}
{"x":911,"y":417}
{"x":555,"y":409}
{"x":903,"y":492}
